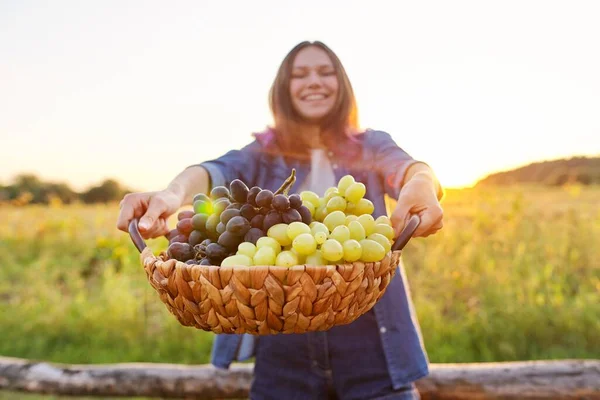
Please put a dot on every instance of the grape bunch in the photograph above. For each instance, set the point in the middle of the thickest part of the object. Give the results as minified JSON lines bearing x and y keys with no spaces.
{"x":228,"y":217}
{"x":343,"y":230}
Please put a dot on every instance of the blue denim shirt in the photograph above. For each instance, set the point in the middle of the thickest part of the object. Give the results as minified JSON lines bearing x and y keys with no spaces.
{"x":374,"y":159}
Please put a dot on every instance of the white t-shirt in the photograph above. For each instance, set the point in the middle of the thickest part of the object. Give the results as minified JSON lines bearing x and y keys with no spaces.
{"x":321,"y":176}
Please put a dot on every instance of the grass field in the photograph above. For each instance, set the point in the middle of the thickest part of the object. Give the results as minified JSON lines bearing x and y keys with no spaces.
{"x":514,"y":275}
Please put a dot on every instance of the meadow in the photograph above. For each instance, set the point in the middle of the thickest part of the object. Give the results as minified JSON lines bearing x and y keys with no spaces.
{"x":514,"y":275}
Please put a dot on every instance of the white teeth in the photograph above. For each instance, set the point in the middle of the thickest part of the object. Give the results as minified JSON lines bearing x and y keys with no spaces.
{"x":314,"y":97}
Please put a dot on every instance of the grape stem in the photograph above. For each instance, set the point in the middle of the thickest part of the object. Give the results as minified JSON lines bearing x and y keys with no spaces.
{"x":287,"y":185}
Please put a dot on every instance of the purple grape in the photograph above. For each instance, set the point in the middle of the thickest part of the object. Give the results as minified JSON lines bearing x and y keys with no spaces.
{"x":239,"y":191}
{"x":251,"y":198}
{"x":305,"y":214}
{"x":253,"y":235}
{"x":280,"y":202}
{"x":247,"y":211}
{"x":272,"y":218}
{"x":295,"y":201}
{"x":257,"y":221}
{"x":238,"y":226}
{"x":291,"y":215}
{"x":264,"y":198}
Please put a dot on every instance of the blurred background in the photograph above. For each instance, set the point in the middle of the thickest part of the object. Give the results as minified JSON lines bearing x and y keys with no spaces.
{"x":502,"y":99}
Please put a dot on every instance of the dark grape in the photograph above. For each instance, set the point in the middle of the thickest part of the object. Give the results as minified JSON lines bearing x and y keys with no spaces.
{"x":196,"y":237}
{"x":238,"y":226}
{"x":229,"y":240}
{"x":253,"y":235}
{"x":228,"y":214}
{"x":206,"y":242}
{"x":236,"y":206}
{"x":185,"y":214}
{"x":221,"y":227}
{"x":203,"y":207}
{"x":291,"y":215}
{"x":280,"y":202}
{"x":185,"y":226}
{"x":264,"y":210}
{"x":218,"y":192}
{"x":205,"y":261}
{"x":272,"y":218}
{"x":251,"y":198}
{"x":200,"y":196}
{"x":180,"y":251}
{"x":264,"y":198}
{"x":239,"y":191}
{"x":305,"y":214}
{"x":199,"y":221}
{"x":257,"y":221}
{"x":247,"y":211}
{"x":220,"y":205}
{"x":181,"y":238}
{"x":212,"y":222}
{"x":200,"y":250}
{"x":295,"y":201}
{"x":215,"y":251}
{"x":172,"y":233}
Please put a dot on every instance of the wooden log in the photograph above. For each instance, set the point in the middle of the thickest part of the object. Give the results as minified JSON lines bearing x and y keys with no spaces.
{"x":560,"y":379}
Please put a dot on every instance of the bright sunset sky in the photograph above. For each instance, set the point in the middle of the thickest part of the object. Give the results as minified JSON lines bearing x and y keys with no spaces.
{"x":137,"y":90}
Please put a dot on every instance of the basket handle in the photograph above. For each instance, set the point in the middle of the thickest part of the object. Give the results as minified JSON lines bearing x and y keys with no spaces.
{"x":135,"y":235}
{"x":407,"y":232}
{"x":399,"y":244}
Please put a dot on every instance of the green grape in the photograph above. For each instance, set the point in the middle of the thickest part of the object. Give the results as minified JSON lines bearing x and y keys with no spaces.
{"x":322,"y":202}
{"x":265,"y":256}
{"x":321,"y":213}
{"x":341,"y":233}
{"x":367,"y":221}
{"x":350,"y":218}
{"x":371,"y":251}
{"x":311,"y":207}
{"x":268,"y":242}
{"x":355,"y":192}
{"x":385,"y":230}
{"x":364,"y":206}
{"x":320,"y":237}
{"x":383,"y":220}
{"x":301,"y":257}
{"x":332,"y":250}
{"x":286,"y":259}
{"x":351,"y":209}
{"x":310,"y":197}
{"x":345,"y":183}
{"x":279,"y":233}
{"x":296,"y":228}
{"x":382,"y":240}
{"x":357,"y":231}
{"x":315,"y":258}
{"x":352,"y":250}
{"x":331,"y":192}
{"x":238,"y":259}
{"x":247,"y":249}
{"x":336,"y":204}
{"x":317,"y":226}
{"x":334,"y":219}
{"x":304,"y":244}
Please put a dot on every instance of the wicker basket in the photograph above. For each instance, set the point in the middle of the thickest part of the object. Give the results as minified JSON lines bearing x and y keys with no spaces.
{"x":264,"y":300}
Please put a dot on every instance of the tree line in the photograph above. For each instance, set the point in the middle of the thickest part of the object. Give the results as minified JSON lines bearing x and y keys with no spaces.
{"x":29,"y":189}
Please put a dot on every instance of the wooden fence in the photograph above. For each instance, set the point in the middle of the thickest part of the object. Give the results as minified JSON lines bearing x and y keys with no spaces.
{"x":561,"y":379}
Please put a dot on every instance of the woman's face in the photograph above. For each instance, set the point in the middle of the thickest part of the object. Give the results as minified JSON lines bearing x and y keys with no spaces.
{"x":313,"y":84}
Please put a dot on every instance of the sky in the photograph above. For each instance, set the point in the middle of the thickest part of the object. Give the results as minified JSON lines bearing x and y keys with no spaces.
{"x":138,"y":90}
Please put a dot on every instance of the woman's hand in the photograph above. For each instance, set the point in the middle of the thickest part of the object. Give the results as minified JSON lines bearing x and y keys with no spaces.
{"x":419,"y":196}
{"x":152,"y":210}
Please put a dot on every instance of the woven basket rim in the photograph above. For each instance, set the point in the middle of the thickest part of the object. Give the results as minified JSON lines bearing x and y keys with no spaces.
{"x":147,"y":253}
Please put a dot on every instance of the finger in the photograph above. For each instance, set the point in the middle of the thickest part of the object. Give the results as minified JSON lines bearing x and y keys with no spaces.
{"x":126,"y":214}
{"x":431,"y":222}
{"x":155,"y":209}
{"x":159,"y":229}
{"x":399,"y":218}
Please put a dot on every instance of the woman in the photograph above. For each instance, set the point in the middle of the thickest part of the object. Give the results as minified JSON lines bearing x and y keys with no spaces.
{"x":380,"y":355}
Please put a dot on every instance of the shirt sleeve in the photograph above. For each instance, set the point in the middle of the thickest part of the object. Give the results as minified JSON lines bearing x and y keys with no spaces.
{"x":391,"y":162}
{"x":235,"y":164}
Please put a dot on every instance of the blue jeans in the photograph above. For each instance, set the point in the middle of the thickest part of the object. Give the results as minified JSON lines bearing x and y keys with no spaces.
{"x":346,"y":363}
